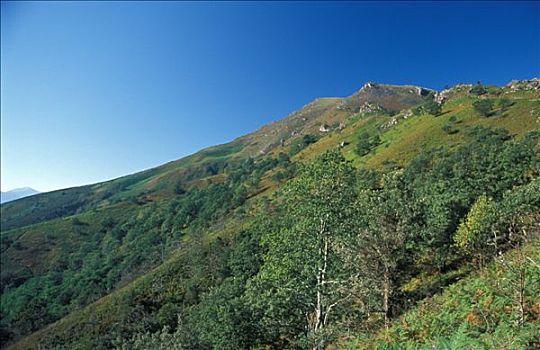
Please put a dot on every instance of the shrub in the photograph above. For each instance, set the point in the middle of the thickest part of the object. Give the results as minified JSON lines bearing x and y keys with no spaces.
{"x":448,"y":128}
{"x":432,"y":107}
{"x":483,"y":107}
{"x":505,"y":102}
{"x":366,"y":143}
{"x":478,"y":89}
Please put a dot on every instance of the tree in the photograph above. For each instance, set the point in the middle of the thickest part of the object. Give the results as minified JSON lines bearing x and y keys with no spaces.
{"x":505,"y":102}
{"x":449,"y":129}
{"x":366,"y":143}
{"x":520,"y":215}
{"x":484,"y":107}
{"x":179,"y":188}
{"x":302,"y":280}
{"x":380,"y":245}
{"x":477,"y":234}
{"x":432,"y":108}
{"x":222,"y":318}
{"x":478,"y":89}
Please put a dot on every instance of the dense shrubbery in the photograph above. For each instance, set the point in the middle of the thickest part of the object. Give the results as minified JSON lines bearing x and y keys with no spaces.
{"x":344,"y":252}
{"x":123,"y":248}
{"x":335,"y":251}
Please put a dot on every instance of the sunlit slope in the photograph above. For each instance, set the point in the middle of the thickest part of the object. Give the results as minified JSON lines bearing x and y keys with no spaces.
{"x":402,"y":135}
{"x":161,"y":181}
{"x":478,"y":312}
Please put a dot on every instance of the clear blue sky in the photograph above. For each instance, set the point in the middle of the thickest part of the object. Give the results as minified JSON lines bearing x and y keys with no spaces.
{"x":95,"y":90}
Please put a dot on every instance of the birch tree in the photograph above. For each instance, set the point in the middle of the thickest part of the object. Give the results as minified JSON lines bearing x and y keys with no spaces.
{"x":302,"y":280}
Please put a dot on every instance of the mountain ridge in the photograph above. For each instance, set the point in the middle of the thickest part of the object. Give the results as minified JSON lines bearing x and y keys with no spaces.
{"x":142,"y":209}
{"x":264,"y":140}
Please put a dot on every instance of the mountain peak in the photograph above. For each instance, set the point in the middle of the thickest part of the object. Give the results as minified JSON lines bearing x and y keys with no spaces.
{"x":17,"y":193}
{"x":370,"y":85}
{"x":392,"y":98}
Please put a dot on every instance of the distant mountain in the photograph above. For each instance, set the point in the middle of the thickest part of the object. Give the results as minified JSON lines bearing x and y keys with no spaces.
{"x":16,"y":194}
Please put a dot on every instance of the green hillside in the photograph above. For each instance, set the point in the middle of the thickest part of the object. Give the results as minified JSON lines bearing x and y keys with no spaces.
{"x":219,"y":249}
{"x":482,"y":311}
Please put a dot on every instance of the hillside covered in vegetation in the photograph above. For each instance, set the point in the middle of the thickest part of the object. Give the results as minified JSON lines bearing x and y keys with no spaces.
{"x":396,"y":218}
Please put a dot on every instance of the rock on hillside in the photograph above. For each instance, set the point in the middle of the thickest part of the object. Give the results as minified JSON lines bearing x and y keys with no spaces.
{"x":531,"y":84}
{"x":372,"y":97}
{"x":392,"y":98}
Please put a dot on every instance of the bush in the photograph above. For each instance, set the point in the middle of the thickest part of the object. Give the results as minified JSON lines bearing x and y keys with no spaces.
{"x":483,"y":107}
{"x":78,"y":222}
{"x":505,"y":102}
{"x":366,"y":143}
{"x":432,"y":107}
{"x":448,"y":128}
{"x":478,"y":89}
{"x":302,"y":143}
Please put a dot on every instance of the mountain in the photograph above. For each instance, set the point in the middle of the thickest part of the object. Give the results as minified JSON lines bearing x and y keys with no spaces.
{"x":218,"y":238}
{"x":160,"y":182}
{"x":16,"y":194}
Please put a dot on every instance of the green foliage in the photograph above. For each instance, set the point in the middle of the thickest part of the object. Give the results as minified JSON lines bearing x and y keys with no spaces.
{"x":77,"y":222}
{"x":477,"y":235}
{"x":449,"y":129}
{"x":478,"y":89}
{"x":484,"y":107}
{"x":379,"y":248}
{"x":475,"y":313}
{"x":210,"y":277}
{"x":302,"y":143}
{"x":432,"y":107}
{"x":285,"y":170}
{"x":505,"y":103}
{"x":39,"y":208}
{"x":366,"y":143}
{"x":450,"y":126}
{"x":291,"y":296}
{"x":120,"y":249}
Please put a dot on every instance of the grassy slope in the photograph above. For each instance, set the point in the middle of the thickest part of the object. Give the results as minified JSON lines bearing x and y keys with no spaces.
{"x":108,"y":316}
{"x":154,"y":185}
{"x":160,"y":182}
{"x":400,"y":143}
{"x":33,"y":249}
{"x":478,"y":312}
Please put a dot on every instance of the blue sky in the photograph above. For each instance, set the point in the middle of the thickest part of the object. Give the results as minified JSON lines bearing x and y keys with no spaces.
{"x":94,"y":90}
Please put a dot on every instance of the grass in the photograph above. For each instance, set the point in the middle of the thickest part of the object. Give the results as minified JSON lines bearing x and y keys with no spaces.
{"x":114,"y":314}
{"x":477,"y":312}
{"x":42,"y":240}
{"x":35,"y":247}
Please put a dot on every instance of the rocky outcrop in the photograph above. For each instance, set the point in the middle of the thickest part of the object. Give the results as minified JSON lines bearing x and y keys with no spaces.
{"x":324,"y":128}
{"x":524,"y":85}
{"x":422,"y":92}
{"x":369,"y":107}
{"x":373,"y":97}
{"x":441,"y":97}
{"x":369,"y":85}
